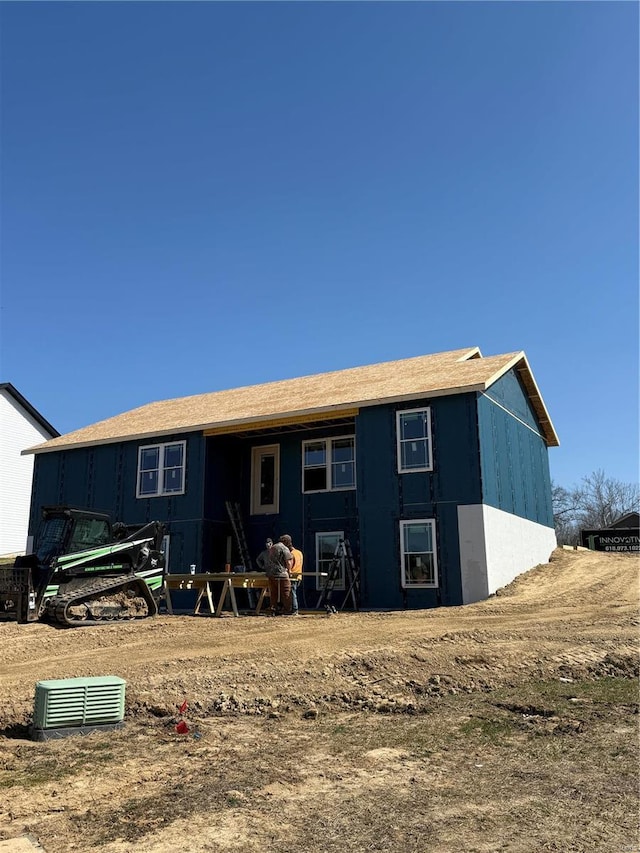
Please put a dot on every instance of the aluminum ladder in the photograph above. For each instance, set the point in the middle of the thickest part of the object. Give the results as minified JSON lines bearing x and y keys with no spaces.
{"x":235,"y":516}
{"x":343,"y":556}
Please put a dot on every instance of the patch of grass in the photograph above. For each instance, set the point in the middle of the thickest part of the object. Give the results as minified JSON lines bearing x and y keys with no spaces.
{"x":610,"y":689}
{"x":488,"y":729}
{"x":51,"y":762}
{"x":548,"y":717}
{"x":557,"y":696}
{"x":39,"y":772}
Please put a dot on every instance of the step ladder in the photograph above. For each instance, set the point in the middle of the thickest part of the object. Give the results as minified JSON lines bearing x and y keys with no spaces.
{"x":343,"y":556}
{"x":235,"y":516}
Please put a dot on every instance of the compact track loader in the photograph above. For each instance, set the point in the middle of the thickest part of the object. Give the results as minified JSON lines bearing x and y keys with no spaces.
{"x":84,"y":571}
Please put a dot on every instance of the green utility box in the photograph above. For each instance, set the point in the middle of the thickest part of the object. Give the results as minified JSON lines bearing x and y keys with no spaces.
{"x":77,"y":706}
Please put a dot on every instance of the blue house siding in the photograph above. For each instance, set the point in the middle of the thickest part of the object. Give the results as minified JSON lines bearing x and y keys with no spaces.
{"x":103,"y":478}
{"x":301,"y":515}
{"x":509,"y":392}
{"x":228,"y":477}
{"x":305,"y":514}
{"x":377,"y":497}
{"x":386,"y":497}
{"x":513,"y":455}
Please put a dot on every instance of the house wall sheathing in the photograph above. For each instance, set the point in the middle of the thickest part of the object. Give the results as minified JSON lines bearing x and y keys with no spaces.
{"x":487,"y":452}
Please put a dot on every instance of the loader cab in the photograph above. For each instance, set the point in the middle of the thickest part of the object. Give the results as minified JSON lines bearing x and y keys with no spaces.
{"x":64,"y":530}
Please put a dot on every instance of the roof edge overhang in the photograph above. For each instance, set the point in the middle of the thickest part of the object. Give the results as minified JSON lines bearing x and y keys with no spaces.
{"x":345,"y":409}
{"x":243,"y":424}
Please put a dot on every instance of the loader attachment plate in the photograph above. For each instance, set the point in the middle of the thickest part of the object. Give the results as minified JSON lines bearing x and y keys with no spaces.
{"x":17,"y":598}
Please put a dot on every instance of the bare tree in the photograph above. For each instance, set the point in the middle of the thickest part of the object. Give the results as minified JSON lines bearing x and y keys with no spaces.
{"x":604,"y":500}
{"x":595,"y":503}
{"x":565,"y":509}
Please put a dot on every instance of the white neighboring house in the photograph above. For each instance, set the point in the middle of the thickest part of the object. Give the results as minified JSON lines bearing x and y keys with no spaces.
{"x":20,"y":426}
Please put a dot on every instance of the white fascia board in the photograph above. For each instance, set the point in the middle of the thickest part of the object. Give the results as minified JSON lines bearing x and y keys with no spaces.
{"x":538,"y":395}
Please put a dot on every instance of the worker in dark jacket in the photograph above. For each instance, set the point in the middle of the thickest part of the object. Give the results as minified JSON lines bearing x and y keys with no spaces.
{"x":279,"y":564}
{"x":263,"y":557}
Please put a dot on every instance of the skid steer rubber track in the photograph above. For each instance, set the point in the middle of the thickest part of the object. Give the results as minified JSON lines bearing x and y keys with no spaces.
{"x":86,"y":605}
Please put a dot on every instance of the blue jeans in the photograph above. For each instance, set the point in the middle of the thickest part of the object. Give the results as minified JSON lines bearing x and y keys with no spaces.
{"x":294,"y":595}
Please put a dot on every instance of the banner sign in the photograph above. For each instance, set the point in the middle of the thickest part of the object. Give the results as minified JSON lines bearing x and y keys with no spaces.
{"x":624,"y":539}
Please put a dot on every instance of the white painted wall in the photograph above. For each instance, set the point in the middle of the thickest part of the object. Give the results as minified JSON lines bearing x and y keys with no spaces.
{"x":496,"y":547}
{"x":473,"y":554}
{"x":18,"y":430}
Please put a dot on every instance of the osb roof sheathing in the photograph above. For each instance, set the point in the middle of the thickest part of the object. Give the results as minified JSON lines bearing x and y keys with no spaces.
{"x":324,"y":394}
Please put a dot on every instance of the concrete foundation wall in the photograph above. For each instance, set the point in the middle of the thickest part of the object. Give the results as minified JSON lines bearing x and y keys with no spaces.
{"x":496,"y":547}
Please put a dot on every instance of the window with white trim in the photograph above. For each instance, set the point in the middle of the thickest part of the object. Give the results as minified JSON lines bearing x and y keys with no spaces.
{"x":329,"y":464}
{"x":265,"y":479}
{"x":418,"y":558}
{"x":161,"y":469}
{"x":326,"y":544}
{"x":413,"y":431}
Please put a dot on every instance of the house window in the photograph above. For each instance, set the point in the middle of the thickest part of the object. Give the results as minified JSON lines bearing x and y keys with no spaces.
{"x":265,"y":479}
{"x":326,"y":544}
{"x":418,"y":553}
{"x":413,"y":430}
{"x":161,"y":469}
{"x":329,"y":464}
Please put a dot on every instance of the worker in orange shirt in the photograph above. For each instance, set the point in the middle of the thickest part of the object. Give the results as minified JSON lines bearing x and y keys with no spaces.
{"x":295,"y":571}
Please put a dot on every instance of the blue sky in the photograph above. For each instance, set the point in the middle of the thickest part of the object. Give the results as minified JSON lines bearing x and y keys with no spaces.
{"x":197,"y":196}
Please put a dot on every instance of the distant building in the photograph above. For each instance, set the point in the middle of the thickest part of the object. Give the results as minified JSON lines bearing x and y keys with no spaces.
{"x":20,"y":426}
{"x":435,"y":469}
{"x":622,"y":535}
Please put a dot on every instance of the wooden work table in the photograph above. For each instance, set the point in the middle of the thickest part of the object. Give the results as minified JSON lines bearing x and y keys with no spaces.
{"x":204,"y":581}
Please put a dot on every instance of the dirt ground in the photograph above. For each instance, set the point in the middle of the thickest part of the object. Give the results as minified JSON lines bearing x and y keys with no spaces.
{"x":508,"y":725}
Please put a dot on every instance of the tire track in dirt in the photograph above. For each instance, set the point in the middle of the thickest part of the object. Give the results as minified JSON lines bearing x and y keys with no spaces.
{"x":530,"y":621}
